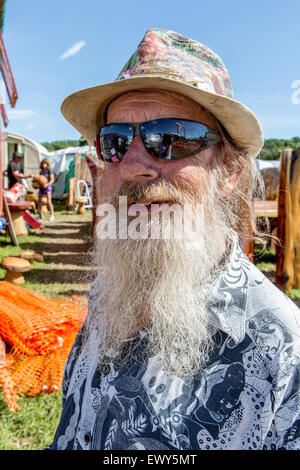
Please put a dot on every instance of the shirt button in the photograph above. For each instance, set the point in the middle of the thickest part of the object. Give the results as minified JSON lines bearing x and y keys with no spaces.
{"x":87,"y":438}
{"x":105,"y":369}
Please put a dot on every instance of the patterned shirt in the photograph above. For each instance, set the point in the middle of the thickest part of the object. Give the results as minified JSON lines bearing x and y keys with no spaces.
{"x":246,"y":397}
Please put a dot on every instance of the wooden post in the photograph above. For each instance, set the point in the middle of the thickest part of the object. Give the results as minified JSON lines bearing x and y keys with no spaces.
{"x":71,"y":198}
{"x":246,"y":236}
{"x":247,"y":245}
{"x":9,"y":221}
{"x":288,"y":229}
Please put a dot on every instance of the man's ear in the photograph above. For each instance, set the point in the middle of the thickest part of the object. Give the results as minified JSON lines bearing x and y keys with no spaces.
{"x":233,"y":171}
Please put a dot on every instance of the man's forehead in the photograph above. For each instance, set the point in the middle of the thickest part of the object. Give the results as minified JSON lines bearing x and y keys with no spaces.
{"x":162,"y":99}
{"x":152,"y":96}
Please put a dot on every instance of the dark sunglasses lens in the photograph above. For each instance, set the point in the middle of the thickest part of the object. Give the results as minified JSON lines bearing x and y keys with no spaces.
{"x":114,"y":141}
{"x":175,"y":138}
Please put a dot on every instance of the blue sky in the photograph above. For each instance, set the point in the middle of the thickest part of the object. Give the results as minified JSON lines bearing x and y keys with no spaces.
{"x":258,"y":40}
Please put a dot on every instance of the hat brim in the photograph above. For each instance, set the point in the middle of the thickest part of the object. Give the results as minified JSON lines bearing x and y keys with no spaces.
{"x":85,"y":109}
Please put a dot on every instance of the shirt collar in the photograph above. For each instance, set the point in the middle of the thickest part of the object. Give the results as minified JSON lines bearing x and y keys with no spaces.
{"x":228,"y":298}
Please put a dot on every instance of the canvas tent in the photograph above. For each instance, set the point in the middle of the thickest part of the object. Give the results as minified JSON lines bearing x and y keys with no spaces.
{"x":262,"y":164}
{"x":63,"y":166}
{"x":33,"y":154}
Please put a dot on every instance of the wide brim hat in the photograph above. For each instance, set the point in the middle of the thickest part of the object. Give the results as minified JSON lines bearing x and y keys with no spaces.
{"x":169,"y":61}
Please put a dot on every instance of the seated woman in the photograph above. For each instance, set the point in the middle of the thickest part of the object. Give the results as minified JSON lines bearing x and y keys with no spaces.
{"x":46,"y":171}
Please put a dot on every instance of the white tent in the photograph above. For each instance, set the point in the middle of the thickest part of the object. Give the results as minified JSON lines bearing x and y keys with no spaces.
{"x":33,"y":154}
{"x":60,"y":163}
{"x":262,"y":164}
{"x":61,"y":159}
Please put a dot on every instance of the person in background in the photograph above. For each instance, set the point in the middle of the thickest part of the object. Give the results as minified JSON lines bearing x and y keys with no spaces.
{"x":47,"y":191}
{"x":13,"y":172}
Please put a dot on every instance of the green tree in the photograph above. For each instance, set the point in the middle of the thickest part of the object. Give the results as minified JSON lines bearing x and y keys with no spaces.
{"x":273,"y":147}
{"x":60,"y":144}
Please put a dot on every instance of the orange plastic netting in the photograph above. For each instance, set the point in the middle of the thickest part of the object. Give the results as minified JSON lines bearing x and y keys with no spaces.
{"x":39,"y":333}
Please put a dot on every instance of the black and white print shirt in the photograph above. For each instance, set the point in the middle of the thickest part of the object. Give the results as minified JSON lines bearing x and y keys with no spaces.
{"x":246,"y":397}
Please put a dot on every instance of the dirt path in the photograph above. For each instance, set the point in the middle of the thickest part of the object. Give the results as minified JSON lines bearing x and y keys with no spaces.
{"x":65,"y":244}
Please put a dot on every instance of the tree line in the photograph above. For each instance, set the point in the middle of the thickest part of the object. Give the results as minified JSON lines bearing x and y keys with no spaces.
{"x":63,"y":144}
{"x":273,"y":147}
{"x":270,"y":151}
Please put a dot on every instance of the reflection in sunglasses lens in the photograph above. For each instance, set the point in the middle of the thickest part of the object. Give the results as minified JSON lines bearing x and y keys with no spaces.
{"x":168,"y":138}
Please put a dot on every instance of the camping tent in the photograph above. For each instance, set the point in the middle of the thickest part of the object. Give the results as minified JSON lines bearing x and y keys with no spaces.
{"x":32,"y":151}
{"x":262,"y":164}
{"x":63,"y":164}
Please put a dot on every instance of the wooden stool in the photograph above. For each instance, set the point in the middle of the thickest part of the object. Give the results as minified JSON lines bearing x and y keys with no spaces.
{"x":14,"y":269}
{"x":32,"y":255}
{"x":80,"y":204}
{"x":44,"y":206}
{"x":33,"y":198}
{"x":16,"y":210}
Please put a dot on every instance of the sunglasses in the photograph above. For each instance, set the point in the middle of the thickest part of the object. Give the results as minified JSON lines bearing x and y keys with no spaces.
{"x":167,"y":138}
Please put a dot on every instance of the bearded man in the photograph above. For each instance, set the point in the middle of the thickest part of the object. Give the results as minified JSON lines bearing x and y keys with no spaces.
{"x":186,"y":344}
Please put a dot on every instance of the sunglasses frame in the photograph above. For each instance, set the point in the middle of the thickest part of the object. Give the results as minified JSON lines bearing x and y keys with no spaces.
{"x":212,"y":137}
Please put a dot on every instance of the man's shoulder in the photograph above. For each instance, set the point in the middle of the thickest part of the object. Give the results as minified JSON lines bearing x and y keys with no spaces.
{"x":12,"y":165}
{"x":265,"y":295}
{"x":272,"y":319}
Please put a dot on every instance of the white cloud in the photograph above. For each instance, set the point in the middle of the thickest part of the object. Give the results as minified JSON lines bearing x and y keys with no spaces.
{"x":72,"y":50}
{"x":20,"y":113}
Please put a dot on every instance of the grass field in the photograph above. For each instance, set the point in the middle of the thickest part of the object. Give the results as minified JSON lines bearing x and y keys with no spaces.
{"x":266,"y":262}
{"x":34,"y":426}
{"x":65,"y":245}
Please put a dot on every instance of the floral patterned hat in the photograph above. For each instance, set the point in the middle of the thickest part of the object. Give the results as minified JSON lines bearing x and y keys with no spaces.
{"x":169,"y":61}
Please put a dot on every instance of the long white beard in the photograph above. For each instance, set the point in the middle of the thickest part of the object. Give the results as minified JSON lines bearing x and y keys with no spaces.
{"x":162,"y":284}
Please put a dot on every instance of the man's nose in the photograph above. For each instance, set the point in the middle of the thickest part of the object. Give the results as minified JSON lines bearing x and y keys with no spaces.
{"x":137,"y":165}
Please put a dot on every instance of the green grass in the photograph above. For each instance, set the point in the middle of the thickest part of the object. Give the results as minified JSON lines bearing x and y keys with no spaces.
{"x":45,"y":277}
{"x":294,"y":294}
{"x":32,"y":281}
{"x":265,"y":261}
{"x":33,"y":427}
